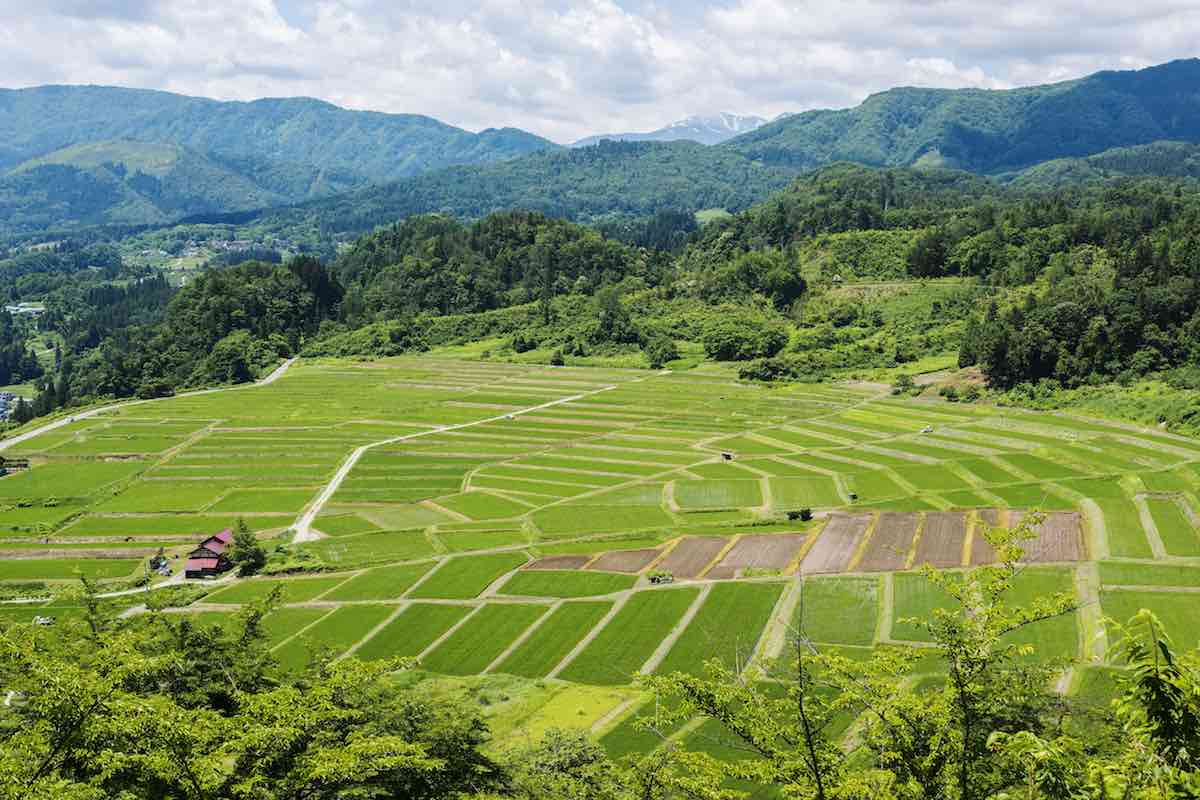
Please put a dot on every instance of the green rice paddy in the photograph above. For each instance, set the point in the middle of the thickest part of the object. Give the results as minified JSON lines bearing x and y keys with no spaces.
{"x":432,"y":531}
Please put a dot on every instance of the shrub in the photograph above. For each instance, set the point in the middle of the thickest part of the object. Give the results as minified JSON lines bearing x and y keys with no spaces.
{"x":742,"y":336}
{"x":660,"y":349}
{"x":389,"y":338}
{"x":523,"y":342}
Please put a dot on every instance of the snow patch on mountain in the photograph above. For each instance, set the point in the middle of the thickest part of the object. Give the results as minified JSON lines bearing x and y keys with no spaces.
{"x":706,"y":129}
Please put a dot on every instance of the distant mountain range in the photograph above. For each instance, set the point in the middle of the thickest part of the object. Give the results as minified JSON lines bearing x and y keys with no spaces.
{"x":712,"y":129}
{"x":77,"y":156}
{"x":81,"y":155}
{"x":989,"y":132}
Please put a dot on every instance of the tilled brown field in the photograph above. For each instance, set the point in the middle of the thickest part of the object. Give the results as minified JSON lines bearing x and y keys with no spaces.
{"x":941,"y":541}
{"x":888,"y":549}
{"x":624,"y":560}
{"x":982,"y":551}
{"x":836,"y":544}
{"x":1060,"y":538}
{"x":764,"y":551}
{"x":558,"y":562}
{"x":689,"y":558}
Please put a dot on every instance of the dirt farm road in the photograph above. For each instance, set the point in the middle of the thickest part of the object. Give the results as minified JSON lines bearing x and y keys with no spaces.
{"x":303,"y":525}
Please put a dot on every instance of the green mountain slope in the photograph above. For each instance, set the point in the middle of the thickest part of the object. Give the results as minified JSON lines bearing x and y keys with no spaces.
{"x":1160,"y":159}
{"x":990,"y":131}
{"x":124,"y":182}
{"x":371,"y":145}
{"x":628,"y":178}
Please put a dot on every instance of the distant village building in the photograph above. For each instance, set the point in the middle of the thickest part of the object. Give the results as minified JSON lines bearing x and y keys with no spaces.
{"x":211,"y":558}
{"x":26,"y":310}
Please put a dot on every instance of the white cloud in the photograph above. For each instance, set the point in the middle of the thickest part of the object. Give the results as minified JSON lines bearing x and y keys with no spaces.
{"x":567,"y":69}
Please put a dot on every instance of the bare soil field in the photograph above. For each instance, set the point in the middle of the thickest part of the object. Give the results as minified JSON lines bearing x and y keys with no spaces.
{"x":624,"y":560}
{"x":1060,"y":538}
{"x":763,"y":551}
{"x":689,"y":558}
{"x":836,"y":544}
{"x":888,"y":549}
{"x":941,"y":540}
{"x":559,"y":562}
{"x":982,"y":551}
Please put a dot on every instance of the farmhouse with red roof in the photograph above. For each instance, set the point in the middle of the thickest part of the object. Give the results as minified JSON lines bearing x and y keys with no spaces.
{"x":210,"y":558}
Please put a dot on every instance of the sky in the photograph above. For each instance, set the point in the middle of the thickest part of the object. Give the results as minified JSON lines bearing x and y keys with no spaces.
{"x":565,"y":70}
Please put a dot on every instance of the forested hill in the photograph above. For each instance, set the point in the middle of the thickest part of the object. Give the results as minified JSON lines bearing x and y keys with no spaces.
{"x":334,"y":172}
{"x":611,"y":178}
{"x":990,"y":131}
{"x":1162,"y":159}
{"x":301,"y":131}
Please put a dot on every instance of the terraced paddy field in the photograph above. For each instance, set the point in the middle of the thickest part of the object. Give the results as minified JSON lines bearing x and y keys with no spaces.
{"x":504,"y":521}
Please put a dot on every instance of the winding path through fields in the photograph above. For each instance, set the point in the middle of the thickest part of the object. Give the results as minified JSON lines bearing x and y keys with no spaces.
{"x":303,"y":526}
